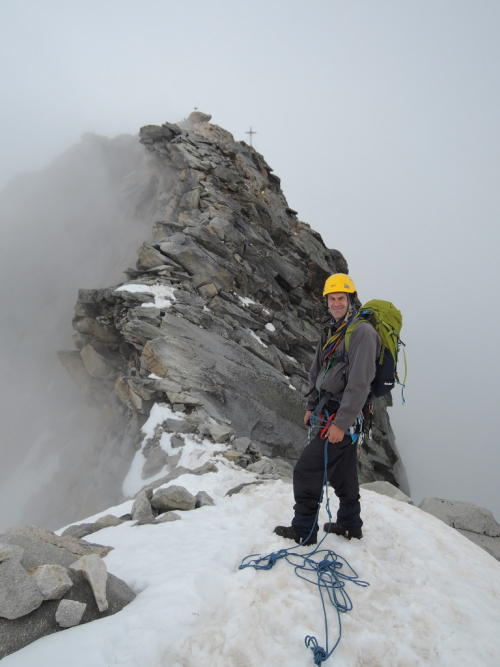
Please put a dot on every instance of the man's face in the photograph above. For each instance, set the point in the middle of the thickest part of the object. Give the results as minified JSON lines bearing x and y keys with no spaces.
{"x":338,"y":303}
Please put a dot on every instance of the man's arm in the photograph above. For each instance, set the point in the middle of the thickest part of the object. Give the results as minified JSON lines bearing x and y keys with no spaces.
{"x":364,"y":348}
{"x":313,"y":376}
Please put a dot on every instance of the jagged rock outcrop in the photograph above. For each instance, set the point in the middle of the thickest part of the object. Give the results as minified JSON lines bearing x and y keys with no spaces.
{"x":220,"y":317}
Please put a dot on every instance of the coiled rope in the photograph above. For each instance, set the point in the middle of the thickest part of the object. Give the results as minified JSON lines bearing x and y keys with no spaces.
{"x":321,"y":567}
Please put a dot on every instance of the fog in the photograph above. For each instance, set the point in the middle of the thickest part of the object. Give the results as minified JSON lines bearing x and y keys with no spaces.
{"x":381,"y":120}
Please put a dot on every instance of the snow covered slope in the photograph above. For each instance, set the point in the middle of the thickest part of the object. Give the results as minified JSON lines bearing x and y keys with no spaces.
{"x":433,"y":599}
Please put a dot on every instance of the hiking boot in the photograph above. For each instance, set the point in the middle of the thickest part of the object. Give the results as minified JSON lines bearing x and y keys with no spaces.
{"x":289,"y":533}
{"x":340,"y":530}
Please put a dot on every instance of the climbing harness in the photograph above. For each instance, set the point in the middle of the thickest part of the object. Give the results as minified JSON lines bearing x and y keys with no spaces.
{"x":322,"y":567}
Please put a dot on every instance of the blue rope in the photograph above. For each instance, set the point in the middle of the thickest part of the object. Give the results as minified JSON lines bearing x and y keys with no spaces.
{"x":330,"y":577}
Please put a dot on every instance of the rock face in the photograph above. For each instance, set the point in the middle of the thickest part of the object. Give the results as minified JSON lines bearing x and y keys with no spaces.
{"x":220,"y":316}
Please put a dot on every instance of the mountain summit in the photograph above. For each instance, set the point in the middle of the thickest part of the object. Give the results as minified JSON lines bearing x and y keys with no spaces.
{"x":219,"y":319}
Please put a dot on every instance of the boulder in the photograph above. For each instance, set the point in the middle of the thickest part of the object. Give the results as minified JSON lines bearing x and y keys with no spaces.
{"x":220,"y":432}
{"x":8,"y":551}
{"x":78,"y":530}
{"x":106,"y":522}
{"x":177,"y":440}
{"x":15,"y":634}
{"x":69,"y":613}
{"x":241,"y":444}
{"x":231,"y":455}
{"x":237,"y":489}
{"x":42,"y":547}
{"x":180,"y":426}
{"x":166,"y":517}
{"x":202,"y":499}
{"x":207,"y":467}
{"x":52,"y":580}
{"x":19,"y":594}
{"x":387,"y":489}
{"x":95,"y":572}
{"x":275,"y":468}
{"x":173,"y":498}
{"x":463,"y":516}
{"x":142,"y":512}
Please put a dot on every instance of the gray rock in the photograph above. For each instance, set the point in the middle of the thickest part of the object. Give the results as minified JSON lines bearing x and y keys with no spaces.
{"x":79,"y":530}
{"x":463,"y":516}
{"x":69,"y":613}
{"x":166,"y":517}
{"x":98,"y":366}
{"x":220,"y":432}
{"x":155,"y":461}
{"x":17,"y":633}
{"x":241,"y":444}
{"x":177,"y":441}
{"x":180,"y":426}
{"x":142,"y":512}
{"x":277,"y":468}
{"x":19,"y":594}
{"x":202,"y":499}
{"x":8,"y":551}
{"x":95,"y":572}
{"x":207,"y":467}
{"x":173,"y":498}
{"x":149,"y":257}
{"x":387,"y":489}
{"x":52,"y":581}
{"x":237,"y":489}
{"x":42,"y":547}
{"x":106,"y":522}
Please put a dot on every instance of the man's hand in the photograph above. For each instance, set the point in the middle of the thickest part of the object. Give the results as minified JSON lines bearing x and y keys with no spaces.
{"x":335,"y":434}
{"x":307,"y":418}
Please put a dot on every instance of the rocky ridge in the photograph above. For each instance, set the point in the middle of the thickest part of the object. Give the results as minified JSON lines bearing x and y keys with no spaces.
{"x":218,"y":320}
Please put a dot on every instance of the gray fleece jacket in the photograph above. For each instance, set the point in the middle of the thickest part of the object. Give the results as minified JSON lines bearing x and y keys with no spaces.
{"x":352,"y":378}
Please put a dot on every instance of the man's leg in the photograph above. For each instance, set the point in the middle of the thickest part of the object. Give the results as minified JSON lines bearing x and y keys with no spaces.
{"x":308,"y":476}
{"x":344,"y":479}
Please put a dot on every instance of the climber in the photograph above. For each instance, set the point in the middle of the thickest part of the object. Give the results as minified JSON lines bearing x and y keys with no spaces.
{"x":339,"y":384}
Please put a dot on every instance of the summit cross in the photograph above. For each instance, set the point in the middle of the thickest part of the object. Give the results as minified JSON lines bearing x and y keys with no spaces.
{"x":251,"y":132}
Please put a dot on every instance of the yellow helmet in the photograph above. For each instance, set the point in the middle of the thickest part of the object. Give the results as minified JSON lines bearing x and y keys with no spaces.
{"x":339,"y":282}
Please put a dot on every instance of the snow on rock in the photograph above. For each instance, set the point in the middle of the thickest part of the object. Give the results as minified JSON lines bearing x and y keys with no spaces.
{"x":163,"y":294}
{"x":254,"y":335}
{"x":433,"y":597}
{"x":245,"y":300}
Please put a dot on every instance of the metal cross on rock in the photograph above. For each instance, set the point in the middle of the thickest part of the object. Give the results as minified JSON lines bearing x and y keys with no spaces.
{"x":251,"y":132}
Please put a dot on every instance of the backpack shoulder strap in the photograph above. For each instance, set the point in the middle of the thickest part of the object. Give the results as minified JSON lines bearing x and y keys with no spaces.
{"x":350,"y":329}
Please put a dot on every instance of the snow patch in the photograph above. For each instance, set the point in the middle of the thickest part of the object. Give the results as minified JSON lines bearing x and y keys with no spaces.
{"x":245,"y":300}
{"x":270,"y":327}
{"x":432,"y":600}
{"x":163,"y":294}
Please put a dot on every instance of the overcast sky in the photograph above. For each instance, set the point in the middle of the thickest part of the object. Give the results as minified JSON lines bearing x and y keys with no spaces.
{"x":381,"y":118}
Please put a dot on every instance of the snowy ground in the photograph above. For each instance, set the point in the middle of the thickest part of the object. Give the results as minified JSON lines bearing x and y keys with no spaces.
{"x":434,"y":596}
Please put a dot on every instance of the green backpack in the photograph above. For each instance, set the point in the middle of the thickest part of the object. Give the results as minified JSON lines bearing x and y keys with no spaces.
{"x":387,"y":321}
